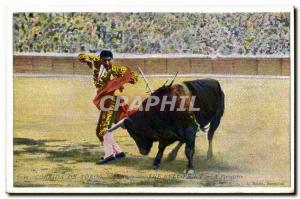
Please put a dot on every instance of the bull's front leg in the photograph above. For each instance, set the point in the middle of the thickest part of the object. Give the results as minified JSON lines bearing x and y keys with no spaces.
{"x":159,"y":155}
{"x":189,"y":150}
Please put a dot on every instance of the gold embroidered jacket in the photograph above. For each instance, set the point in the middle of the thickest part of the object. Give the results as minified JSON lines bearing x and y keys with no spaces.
{"x":115,"y":70}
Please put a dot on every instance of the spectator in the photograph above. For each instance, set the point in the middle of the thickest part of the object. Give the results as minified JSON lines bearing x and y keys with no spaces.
{"x":140,"y":33}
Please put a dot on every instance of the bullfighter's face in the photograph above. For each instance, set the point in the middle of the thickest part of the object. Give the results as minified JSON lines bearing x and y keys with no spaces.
{"x":106,"y":62}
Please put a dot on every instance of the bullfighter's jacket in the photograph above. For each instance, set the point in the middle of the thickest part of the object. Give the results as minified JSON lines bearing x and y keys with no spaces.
{"x":100,"y":75}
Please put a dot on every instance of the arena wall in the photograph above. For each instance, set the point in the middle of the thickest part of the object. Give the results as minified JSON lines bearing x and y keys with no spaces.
{"x":184,"y":65}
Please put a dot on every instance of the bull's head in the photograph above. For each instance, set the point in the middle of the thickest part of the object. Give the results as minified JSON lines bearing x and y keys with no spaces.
{"x":137,"y":132}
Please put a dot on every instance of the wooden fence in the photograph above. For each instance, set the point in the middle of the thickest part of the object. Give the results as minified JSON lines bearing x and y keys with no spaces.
{"x":237,"y":66}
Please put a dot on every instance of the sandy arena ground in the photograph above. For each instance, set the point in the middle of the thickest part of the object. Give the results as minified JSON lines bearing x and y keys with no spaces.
{"x":55,"y":143}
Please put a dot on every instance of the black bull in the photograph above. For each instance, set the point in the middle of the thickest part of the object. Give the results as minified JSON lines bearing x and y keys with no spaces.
{"x":168,"y":126}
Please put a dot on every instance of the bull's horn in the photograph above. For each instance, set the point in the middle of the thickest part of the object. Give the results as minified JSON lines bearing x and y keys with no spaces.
{"x":116,"y":126}
{"x":173,"y":79}
{"x":166,"y":82}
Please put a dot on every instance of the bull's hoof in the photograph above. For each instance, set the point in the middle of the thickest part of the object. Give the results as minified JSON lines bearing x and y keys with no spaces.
{"x":209,"y":155}
{"x":156,"y":167}
{"x":189,"y":173}
{"x":171,"y":157}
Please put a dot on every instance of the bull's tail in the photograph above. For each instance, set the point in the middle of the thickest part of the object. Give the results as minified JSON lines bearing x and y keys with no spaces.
{"x":221,"y":105}
{"x":214,"y":124}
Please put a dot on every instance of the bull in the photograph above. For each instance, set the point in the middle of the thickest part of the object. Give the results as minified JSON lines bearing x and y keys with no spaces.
{"x":169,"y":126}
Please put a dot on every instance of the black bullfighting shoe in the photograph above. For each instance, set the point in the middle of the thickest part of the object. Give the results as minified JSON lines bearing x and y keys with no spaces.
{"x":106,"y":160}
{"x":120,"y":155}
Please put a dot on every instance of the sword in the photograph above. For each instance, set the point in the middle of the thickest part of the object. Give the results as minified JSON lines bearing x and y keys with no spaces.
{"x":146,"y":81}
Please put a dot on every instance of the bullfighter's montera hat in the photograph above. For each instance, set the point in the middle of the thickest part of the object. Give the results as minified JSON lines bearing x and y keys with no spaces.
{"x":106,"y":53}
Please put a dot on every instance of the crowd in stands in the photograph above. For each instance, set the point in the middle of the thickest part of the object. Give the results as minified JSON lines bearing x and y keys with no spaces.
{"x":153,"y":33}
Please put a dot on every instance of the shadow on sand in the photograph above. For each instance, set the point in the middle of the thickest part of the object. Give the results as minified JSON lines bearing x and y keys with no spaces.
{"x":60,"y":153}
{"x":87,"y":152}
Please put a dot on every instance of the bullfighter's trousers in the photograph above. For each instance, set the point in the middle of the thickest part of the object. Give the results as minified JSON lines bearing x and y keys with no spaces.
{"x":105,"y":121}
{"x":110,"y":146}
{"x":107,"y":117}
